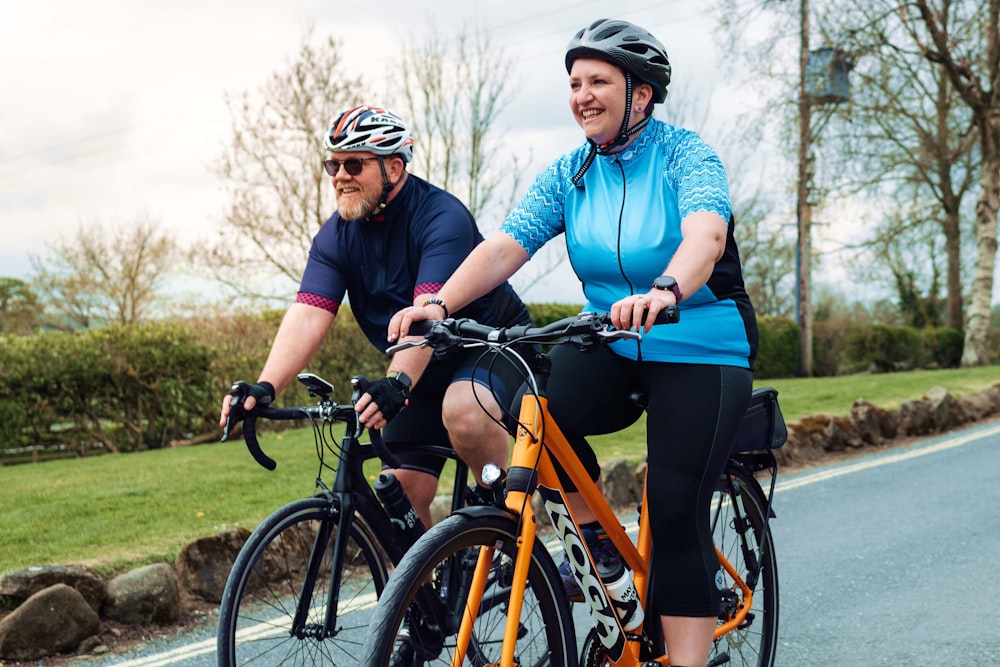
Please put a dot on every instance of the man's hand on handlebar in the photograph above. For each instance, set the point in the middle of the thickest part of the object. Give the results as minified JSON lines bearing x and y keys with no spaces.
{"x":384,"y":399}
{"x":243,"y":398}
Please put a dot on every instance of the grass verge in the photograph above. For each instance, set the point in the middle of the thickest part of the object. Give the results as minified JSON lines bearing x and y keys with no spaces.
{"x":115,"y":512}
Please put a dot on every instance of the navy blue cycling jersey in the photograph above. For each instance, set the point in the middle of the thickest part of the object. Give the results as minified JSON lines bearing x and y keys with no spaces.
{"x":408,"y":249}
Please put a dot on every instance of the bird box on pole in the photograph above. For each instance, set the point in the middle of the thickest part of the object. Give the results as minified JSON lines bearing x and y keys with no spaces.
{"x":826,"y":76}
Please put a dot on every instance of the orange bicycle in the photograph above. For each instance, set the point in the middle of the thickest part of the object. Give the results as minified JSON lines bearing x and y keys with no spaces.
{"x":480,"y":588}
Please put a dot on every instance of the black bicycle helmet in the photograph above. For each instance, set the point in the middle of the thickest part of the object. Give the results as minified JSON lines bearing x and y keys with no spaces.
{"x":638,"y":54}
{"x":626,"y":45}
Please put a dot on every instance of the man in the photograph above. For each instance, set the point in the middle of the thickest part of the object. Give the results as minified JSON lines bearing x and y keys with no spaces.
{"x":394,"y":240}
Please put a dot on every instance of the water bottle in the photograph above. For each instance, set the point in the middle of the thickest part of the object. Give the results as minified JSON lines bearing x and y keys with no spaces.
{"x":404,"y":518}
{"x":624,"y":598}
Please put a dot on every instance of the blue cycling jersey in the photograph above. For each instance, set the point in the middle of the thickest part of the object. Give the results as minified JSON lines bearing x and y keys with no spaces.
{"x":408,"y":249}
{"x":623,"y":226}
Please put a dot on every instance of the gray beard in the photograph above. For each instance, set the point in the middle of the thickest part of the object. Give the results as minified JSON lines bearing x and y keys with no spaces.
{"x":360,"y":209}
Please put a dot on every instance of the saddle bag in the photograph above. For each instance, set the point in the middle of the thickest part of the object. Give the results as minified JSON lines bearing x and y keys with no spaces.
{"x":763,"y":426}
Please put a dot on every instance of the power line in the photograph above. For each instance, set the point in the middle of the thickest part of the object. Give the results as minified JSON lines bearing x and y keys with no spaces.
{"x":66,"y":144}
{"x":16,"y":175}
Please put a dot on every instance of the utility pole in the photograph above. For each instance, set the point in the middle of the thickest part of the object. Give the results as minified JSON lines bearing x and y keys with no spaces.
{"x":803,"y":248}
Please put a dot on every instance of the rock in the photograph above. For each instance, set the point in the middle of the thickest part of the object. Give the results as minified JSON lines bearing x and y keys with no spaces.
{"x":147,"y":595}
{"x":945,"y":411}
{"x":914,"y":418}
{"x":22,"y":584}
{"x":92,"y":645}
{"x":805,"y":442}
{"x":827,"y":433}
{"x":203,"y":565}
{"x":976,"y":406}
{"x":51,"y":621}
{"x":992,"y":394}
{"x":620,"y":486}
{"x":873,"y":424}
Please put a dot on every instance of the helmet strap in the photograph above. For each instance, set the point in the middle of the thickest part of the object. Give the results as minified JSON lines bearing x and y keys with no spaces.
{"x":624,"y":134}
{"x":387,"y":185}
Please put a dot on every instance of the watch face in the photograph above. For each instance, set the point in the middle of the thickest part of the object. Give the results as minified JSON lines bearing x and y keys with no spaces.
{"x":402,"y":377}
{"x":664,"y":282}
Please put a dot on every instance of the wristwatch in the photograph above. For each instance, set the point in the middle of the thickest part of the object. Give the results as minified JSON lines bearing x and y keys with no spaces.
{"x":402,"y":377}
{"x":668,"y":282}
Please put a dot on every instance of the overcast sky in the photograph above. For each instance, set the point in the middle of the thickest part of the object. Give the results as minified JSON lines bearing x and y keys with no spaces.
{"x":115,"y":108}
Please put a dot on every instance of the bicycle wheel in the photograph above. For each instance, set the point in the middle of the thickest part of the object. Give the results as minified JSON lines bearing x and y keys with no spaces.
{"x":433,"y":581}
{"x":269,"y":586}
{"x":738,"y":528}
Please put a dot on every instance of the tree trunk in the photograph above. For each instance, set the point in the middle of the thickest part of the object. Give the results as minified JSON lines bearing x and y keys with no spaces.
{"x":976,"y":351}
{"x":953,"y":250}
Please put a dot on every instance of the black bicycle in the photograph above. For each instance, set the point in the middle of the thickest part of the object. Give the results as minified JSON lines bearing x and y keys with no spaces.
{"x":303,"y":587}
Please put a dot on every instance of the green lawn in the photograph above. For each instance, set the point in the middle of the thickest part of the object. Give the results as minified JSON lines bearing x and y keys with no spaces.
{"x":118,"y":511}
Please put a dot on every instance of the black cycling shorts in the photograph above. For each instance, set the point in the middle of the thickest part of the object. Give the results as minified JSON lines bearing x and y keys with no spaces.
{"x":420,"y":422}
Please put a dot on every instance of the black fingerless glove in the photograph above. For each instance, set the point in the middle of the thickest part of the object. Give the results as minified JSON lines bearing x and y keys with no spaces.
{"x":263,"y":392}
{"x":390,"y":395}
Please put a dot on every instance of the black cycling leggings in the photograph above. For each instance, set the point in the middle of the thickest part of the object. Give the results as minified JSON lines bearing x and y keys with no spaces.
{"x":693,"y":413}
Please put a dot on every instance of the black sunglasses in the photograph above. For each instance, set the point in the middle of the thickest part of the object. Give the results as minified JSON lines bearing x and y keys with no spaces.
{"x":352,"y":165}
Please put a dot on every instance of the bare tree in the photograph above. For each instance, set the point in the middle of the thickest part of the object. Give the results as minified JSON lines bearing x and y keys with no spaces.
{"x":107,"y":275}
{"x":279,"y":193}
{"x":964,"y":39}
{"x":767,"y":256}
{"x":454,"y":89}
{"x":909,"y":137}
{"x":936,"y":127}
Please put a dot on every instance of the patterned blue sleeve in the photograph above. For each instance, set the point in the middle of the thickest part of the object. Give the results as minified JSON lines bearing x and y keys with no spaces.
{"x":700,"y":177}
{"x":539,"y":216}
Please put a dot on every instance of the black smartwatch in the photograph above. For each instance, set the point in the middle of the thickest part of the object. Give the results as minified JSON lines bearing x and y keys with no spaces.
{"x":401,"y":377}
{"x":668,"y":282}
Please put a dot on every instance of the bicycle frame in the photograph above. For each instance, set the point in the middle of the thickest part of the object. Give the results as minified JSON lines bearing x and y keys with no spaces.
{"x":537,"y":442}
{"x":350,"y":491}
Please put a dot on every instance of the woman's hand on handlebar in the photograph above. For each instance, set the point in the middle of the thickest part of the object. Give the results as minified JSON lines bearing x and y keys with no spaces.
{"x":638,"y":312}
{"x":399,"y":325}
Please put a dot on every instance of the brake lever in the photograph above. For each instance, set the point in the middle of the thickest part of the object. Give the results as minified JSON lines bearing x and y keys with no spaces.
{"x":619,"y":334}
{"x":406,"y":345}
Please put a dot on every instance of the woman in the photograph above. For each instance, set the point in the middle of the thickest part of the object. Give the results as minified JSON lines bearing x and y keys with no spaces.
{"x":645,"y":210}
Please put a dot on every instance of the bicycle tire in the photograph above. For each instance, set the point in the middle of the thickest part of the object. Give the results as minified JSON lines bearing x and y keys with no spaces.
{"x":446,"y":555}
{"x":739,"y":530}
{"x":262,"y":593}
{"x":738,"y":501}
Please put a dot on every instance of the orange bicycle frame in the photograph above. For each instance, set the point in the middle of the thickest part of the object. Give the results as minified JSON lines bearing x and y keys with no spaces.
{"x":536,"y":427}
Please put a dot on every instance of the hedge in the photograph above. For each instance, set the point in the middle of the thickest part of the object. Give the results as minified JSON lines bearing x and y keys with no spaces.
{"x":146,"y":386}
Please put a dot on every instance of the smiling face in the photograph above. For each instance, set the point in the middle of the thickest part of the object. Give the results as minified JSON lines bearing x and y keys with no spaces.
{"x":597,"y":98}
{"x":358,"y":196}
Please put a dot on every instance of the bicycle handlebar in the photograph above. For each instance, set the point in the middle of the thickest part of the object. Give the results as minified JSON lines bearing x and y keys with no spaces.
{"x":584,"y":329}
{"x":326,"y":411}
{"x":250,"y":430}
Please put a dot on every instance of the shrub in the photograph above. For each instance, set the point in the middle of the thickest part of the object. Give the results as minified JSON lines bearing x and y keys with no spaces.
{"x":882,"y":348}
{"x":126,"y":387}
{"x":829,"y":341}
{"x":944,"y":346}
{"x":778,"y":351}
{"x":547,"y":313}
